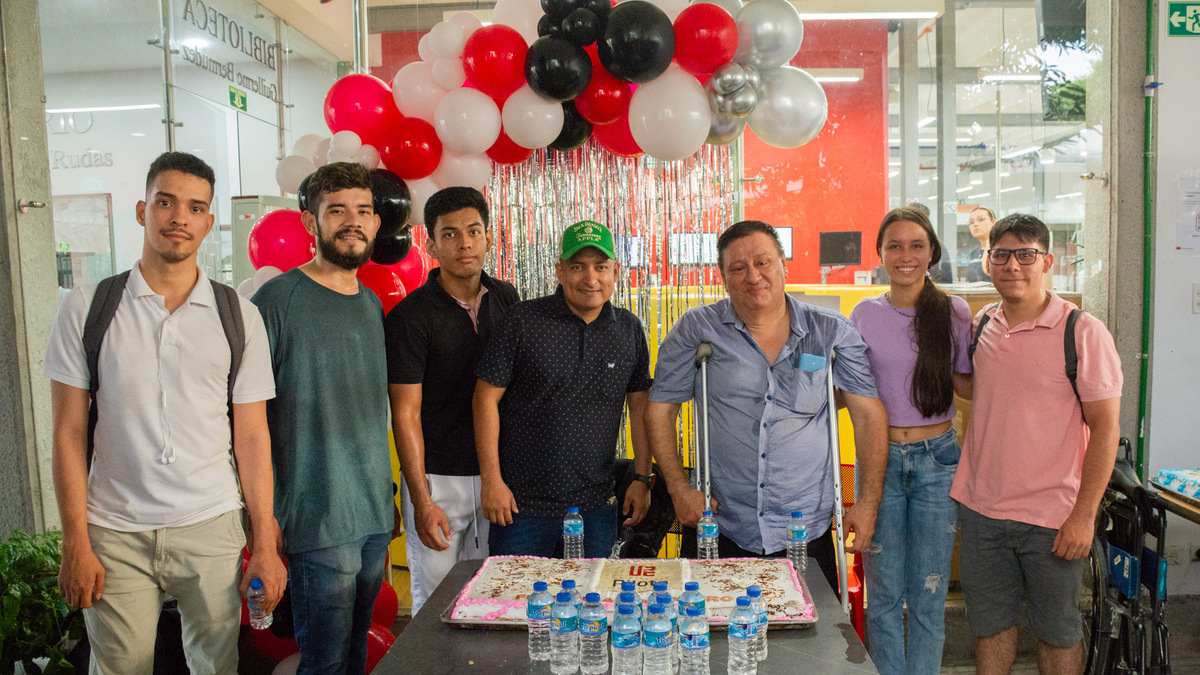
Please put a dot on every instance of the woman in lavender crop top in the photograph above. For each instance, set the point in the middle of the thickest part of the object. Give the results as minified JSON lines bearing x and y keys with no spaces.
{"x":917,"y":340}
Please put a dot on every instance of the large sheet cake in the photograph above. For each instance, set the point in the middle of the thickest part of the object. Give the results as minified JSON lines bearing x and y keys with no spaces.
{"x":496,"y":595}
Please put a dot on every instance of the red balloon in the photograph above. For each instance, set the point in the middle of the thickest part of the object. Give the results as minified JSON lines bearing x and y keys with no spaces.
{"x":605,"y":97}
{"x":360,"y":103}
{"x":617,"y":138}
{"x":505,"y":151}
{"x":279,"y":239}
{"x":413,"y":269}
{"x":411,"y":148}
{"x":387,"y":605}
{"x":494,"y":60}
{"x":385,"y":281}
{"x":705,"y":39}
{"x":379,"y":641}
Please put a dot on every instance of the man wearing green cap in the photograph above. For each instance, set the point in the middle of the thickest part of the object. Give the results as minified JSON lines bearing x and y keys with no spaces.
{"x":553,"y":383}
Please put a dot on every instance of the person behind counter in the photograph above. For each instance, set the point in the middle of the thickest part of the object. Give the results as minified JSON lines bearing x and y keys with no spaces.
{"x":770,"y":451}
{"x":918,"y":340}
{"x":553,"y":383}
{"x":981,"y":224}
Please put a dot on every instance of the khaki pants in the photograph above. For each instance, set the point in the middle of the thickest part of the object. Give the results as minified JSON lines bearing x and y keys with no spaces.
{"x":198,"y":565}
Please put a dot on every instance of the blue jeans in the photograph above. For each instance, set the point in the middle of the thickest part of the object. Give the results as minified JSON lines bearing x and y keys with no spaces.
{"x":908,"y":561}
{"x":542,"y":535}
{"x":333,"y":593}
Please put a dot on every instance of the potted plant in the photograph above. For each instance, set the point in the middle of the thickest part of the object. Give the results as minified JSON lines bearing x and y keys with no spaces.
{"x":37,"y":629}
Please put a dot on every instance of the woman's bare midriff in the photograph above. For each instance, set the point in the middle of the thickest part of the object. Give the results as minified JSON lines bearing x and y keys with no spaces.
{"x":914,"y":434}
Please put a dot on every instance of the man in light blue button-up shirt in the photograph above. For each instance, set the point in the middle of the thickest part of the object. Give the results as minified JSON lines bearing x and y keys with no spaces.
{"x":768,"y":420}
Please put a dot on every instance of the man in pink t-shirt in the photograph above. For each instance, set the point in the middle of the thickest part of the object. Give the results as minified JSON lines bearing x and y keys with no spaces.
{"x":1036,"y":458}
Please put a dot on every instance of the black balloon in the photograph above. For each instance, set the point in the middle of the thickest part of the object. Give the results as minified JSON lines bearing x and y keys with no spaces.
{"x":391,"y":249}
{"x":549,"y":26}
{"x":557,"y":69}
{"x":302,"y":193}
{"x":575,"y":131}
{"x":638,"y":41}
{"x":392,"y":202}
{"x":600,"y":8}
{"x":559,"y":9}
{"x":581,"y":27}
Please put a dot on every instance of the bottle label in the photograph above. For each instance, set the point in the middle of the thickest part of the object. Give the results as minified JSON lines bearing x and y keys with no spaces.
{"x":537,"y":612}
{"x":694,"y":641}
{"x":763,"y":619}
{"x":797,"y":533}
{"x":572,"y":528}
{"x":593,"y":627}
{"x":564,"y":624}
{"x":708,"y":530}
{"x":653,"y":638}
{"x":743,"y":630}
{"x":702,"y":604}
{"x":625,"y":640}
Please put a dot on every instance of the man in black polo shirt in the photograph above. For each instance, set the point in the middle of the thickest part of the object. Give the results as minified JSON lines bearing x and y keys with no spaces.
{"x":553,"y":383}
{"x":434,"y":337}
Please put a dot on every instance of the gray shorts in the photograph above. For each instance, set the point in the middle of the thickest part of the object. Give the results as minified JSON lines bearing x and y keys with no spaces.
{"x":1005,"y":565}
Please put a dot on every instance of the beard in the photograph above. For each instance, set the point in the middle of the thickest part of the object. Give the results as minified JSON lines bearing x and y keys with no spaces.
{"x":348,"y":261}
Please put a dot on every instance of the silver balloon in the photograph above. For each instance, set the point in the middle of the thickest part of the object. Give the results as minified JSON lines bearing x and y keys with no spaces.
{"x":769,"y":33}
{"x":791,"y":108}
{"x":753,"y":77}
{"x":725,"y":129}
{"x":731,"y":6}
{"x":743,"y":101}
{"x":729,"y":78}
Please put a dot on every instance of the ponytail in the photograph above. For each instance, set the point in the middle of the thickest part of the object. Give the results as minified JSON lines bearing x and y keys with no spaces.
{"x":932,"y":386}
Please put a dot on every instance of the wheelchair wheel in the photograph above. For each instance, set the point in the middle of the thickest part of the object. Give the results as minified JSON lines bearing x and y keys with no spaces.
{"x":1097,"y":615}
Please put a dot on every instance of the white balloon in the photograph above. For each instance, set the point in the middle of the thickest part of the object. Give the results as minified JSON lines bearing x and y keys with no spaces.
{"x":791,"y":109}
{"x":520,"y":15}
{"x":467,"y":121}
{"x":344,"y":144}
{"x":425,"y":48}
{"x":468,"y":22}
{"x":531,"y":120}
{"x":246,"y":289}
{"x":446,"y":40}
{"x":320,"y":156}
{"x":368,"y":156}
{"x":288,"y":666}
{"x":291,"y":170}
{"x":307,"y":144}
{"x":465,"y":170}
{"x":264,"y":274}
{"x":414,"y":91}
{"x":420,"y":191}
{"x":669,"y":116}
{"x":671,"y":8}
{"x":448,"y":73}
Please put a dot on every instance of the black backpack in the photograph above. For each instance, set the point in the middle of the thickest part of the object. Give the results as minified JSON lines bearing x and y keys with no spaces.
{"x":104,"y":308}
{"x":1069,"y":352}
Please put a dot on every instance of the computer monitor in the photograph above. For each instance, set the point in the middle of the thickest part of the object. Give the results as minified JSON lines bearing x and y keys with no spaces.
{"x":838,"y":249}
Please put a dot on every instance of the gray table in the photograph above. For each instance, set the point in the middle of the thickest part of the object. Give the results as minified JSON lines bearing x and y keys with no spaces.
{"x":428,"y":646}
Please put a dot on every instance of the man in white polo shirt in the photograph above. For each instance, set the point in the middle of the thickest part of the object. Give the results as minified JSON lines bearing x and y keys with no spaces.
{"x":158,"y":512}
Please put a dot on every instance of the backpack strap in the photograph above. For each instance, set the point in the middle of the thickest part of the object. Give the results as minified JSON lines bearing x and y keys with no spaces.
{"x":1071,"y":354}
{"x":230,"y":310}
{"x":99,"y":317}
{"x":983,"y":321}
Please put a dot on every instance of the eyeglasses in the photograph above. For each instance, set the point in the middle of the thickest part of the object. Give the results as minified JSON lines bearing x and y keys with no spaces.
{"x":1025,"y":256}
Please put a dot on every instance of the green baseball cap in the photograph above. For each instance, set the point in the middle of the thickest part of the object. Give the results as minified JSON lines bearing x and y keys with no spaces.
{"x":587,"y":233}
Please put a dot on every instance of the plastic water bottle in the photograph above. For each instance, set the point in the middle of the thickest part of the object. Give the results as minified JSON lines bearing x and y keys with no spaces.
{"x":656,"y":587}
{"x":656,"y":642}
{"x":692,"y":597}
{"x":742,"y":625}
{"x":626,"y":642}
{"x":573,"y":534}
{"x":259,"y":618}
{"x":797,"y":546}
{"x":693,"y":642}
{"x":537,"y":616}
{"x":593,"y":636}
{"x":568,"y":585}
{"x":564,"y":635}
{"x":706,"y":536}
{"x":759,"y":605}
{"x":672,"y":612}
{"x":631,"y":599}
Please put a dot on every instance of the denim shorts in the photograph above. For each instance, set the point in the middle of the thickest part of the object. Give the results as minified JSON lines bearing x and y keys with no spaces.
{"x":1006,"y":566}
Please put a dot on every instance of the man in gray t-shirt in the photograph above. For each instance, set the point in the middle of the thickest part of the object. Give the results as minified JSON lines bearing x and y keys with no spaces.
{"x":333,"y":490}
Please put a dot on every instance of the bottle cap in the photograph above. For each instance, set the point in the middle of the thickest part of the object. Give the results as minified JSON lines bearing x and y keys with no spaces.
{"x":743,"y":601}
{"x":625,"y":610}
{"x":592,"y":597}
{"x":626,"y":598}
{"x":568,"y":584}
{"x":572,"y":509}
{"x":708,"y":513}
{"x":659,"y":586}
{"x":628,"y":586}
{"x":563,"y":597}
{"x":691,"y":586}
{"x":656,"y":609}
{"x":256,"y":584}
{"x":540,"y":587}
{"x":797,"y":514}
{"x":663,"y":599}
{"x":753,"y":592}
{"x":694,"y":610}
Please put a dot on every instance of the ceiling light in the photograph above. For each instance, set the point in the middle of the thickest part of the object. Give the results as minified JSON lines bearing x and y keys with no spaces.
{"x":1013,"y":188}
{"x":836,"y":75}
{"x":849,"y":16}
{"x":1068,"y":195}
{"x":965,"y":188}
{"x":976,"y":179}
{"x":1005,"y":174}
{"x":106,"y":108}
{"x":137,"y":134}
{"x":923,"y":181}
{"x":894,"y":162}
{"x":893,"y":174}
{"x":981,"y":195}
{"x":926,"y":121}
{"x":1021,"y":151}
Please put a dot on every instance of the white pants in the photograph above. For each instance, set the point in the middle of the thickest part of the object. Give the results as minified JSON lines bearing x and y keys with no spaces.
{"x":459,"y":497}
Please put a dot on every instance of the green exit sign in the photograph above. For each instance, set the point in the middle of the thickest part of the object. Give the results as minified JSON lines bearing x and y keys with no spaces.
{"x":1183,"y":19}
{"x":237,"y":98}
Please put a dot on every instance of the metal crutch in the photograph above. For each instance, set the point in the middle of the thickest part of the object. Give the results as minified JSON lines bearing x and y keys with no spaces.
{"x":836,"y":462}
{"x":703,"y":352}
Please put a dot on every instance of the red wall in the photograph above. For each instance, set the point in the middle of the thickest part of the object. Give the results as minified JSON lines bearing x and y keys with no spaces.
{"x":838,"y":181}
